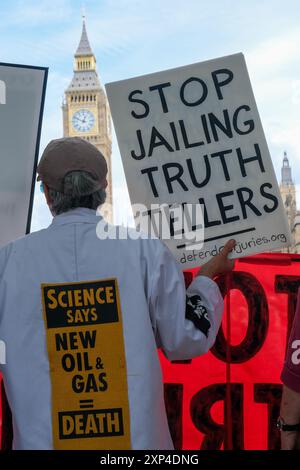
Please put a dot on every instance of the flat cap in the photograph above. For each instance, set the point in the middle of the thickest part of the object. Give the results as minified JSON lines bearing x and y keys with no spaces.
{"x":61,"y":156}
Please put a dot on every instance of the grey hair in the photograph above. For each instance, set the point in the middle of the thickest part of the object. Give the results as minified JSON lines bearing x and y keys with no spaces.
{"x":80,"y":190}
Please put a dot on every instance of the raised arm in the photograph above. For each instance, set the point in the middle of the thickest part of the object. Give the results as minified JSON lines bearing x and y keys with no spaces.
{"x":186,"y":322}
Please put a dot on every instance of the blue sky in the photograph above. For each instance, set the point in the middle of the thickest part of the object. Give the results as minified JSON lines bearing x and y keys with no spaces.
{"x":135,"y":37}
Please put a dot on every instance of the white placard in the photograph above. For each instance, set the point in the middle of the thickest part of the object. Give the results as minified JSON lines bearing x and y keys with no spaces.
{"x":193,"y":135}
{"x":22,"y":92}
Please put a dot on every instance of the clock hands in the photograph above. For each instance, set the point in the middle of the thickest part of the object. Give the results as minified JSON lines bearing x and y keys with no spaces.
{"x":78,"y":119}
{"x":83,"y":120}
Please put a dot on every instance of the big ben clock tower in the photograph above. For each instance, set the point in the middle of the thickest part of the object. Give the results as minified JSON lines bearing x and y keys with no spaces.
{"x":86,"y":111}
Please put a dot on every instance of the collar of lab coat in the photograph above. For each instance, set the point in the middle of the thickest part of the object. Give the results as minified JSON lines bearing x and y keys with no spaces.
{"x":80,"y":214}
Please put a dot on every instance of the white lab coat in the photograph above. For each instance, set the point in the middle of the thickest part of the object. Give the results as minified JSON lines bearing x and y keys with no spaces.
{"x":153,"y":303}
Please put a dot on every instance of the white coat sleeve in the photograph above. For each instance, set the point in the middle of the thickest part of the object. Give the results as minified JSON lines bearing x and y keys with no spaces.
{"x":185,"y":322}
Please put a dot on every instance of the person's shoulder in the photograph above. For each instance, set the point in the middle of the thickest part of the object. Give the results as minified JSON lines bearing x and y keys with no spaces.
{"x":21,"y":243}
{"x":147,"y":245}
{"x":157,"y":251}
{"x":5,"y":253}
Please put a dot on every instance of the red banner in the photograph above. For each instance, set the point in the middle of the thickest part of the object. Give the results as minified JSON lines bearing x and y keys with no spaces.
{"x":230,"y":398}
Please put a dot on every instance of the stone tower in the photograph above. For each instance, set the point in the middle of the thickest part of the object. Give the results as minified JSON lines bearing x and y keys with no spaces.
{"x":288,"y":194}
{"x":85,"y":108}
{"x":288,"y":191}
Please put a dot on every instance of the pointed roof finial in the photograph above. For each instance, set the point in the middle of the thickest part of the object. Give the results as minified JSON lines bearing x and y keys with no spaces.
{"x":286,"y":170}
{"x":285,"y":159}
{"x":84,"y":47}
{"x":83,"y":12}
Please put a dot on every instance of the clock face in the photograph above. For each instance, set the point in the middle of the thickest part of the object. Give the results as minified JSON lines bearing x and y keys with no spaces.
{"x":83,"y":120}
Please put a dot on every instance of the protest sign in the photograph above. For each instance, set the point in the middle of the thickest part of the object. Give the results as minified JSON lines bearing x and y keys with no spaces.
{"x":193,"y":135}
{"x":230,"y":398}
{"x":22,"y":93}
{"x":90,"y":407}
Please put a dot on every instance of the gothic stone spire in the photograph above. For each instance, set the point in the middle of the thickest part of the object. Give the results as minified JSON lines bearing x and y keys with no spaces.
{"x":286,"y":171}
{"x":84,"y":48}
